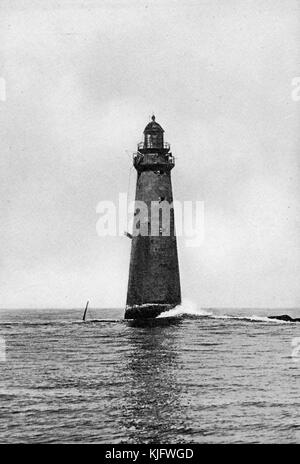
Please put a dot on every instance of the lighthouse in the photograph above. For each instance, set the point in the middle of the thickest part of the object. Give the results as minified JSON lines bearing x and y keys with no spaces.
{"x":154,"y":282}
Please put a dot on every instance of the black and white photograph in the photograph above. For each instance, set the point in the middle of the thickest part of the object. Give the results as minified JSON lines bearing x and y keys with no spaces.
{"x":150,"y":225}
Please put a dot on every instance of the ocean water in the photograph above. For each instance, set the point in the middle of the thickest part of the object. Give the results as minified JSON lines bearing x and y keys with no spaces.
{"x":213,"y":376}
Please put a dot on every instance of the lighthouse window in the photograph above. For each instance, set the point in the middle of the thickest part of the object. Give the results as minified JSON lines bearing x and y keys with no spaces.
{"x":153,"y":140}
{"x":149,"y":141}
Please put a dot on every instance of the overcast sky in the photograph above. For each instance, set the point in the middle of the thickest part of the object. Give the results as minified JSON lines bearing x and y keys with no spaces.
{"x":82,"y":80}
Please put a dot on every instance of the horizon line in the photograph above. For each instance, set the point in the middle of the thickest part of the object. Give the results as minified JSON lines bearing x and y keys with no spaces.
{"x":121,"y":307}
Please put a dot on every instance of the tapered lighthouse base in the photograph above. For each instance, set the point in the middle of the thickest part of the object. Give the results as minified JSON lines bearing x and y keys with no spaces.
{"x":146,"y":311}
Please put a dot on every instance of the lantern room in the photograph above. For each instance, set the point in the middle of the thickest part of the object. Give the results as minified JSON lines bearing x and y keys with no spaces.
{"x":153,"y":139}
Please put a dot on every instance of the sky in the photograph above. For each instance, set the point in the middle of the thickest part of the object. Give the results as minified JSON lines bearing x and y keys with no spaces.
{"x":82,"y":80}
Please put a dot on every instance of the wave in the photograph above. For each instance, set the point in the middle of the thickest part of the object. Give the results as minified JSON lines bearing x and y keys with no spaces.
{"x":189,"y":309}
{"x":186,"y":308}
{"x":252,"y":318}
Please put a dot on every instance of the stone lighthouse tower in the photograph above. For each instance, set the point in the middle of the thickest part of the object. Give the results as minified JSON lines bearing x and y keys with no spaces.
{"x":154,"y":284}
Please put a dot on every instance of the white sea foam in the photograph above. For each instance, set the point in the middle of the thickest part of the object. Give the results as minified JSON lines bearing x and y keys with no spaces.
{"x":186,"y":307}
{"x":189,"y":308}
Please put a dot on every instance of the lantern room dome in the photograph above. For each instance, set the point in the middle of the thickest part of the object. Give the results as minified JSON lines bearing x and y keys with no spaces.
{"x":153,"y":126}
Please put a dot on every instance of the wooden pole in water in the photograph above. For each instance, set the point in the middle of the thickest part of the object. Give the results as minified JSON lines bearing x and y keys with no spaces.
{"x":84,"y":314}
